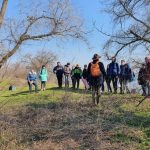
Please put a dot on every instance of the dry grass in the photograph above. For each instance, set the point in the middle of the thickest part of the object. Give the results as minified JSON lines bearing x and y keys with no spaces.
{"x":72,"y":123}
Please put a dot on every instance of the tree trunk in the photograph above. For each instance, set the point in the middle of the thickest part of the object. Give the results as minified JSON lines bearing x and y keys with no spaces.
{"x":2,"y":11}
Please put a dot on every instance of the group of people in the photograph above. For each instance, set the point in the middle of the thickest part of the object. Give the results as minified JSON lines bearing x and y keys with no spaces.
{"x":94,"y":75}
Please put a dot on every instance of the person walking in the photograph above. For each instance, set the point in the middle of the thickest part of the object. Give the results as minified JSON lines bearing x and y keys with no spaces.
{"x":32,"y":80}
{"x":67,"y":74}
{"x":43,"y":76}
{"x":114,"y":73}
{"x":96,"y":71}
{"x":77,"y":74}
{"x":59,"y":71}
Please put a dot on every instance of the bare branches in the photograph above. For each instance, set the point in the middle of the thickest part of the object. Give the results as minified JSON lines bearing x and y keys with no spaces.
{"x":57,"y":21}
{"x":134,"y":14}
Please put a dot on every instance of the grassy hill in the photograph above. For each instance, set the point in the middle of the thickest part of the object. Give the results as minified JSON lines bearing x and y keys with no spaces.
{"x":66,"y":120}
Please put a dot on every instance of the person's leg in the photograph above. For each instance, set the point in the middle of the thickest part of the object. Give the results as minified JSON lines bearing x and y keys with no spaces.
{"x":121,"y":85}
{"x":36,"y":86}
{"x":61,"y":81}
{"x":30,"y":87}
{"x":98,"y":94}
{"x":41,"y":85}
{"x":58,"y":80}
{"x":116,"y":84}
{"x":93,"y":94}
{"x":144,"y":89}
{"x":108,"y":84}
{"x":127,"y":87}
{"x":113,"y":81}
{"x":78,"y":83}
{"x":148,"y":88}
{"x":44,"y":85}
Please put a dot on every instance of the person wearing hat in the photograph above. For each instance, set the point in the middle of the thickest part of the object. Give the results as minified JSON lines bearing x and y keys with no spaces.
{"x":141,"y":79}
{"x":96,"y":72}
{"x":77,"y":74}
{"x":114,"y":73}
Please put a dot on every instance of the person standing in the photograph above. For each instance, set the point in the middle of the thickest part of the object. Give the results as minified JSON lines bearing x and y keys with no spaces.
{"x":67,"y":73}
{"x":96,"y":71}
{"x":43,"y":76}
{"x":32,"y":80}
{"x":59,"y":71}
{"x":108,"y":80}
{"x":77,"y":74}
{"x":114,"y":73}
{"x":147,"y":74}
{"x":122,"y":77}
{"x":141,"y":79}
{"x":127,"y":77}
{"x":85,"y":77}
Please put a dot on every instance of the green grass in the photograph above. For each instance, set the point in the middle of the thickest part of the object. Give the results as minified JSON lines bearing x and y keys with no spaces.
{"x":66,"y":119}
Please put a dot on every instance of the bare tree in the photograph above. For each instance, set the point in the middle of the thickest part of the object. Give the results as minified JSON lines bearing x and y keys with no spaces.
{"x":2,"y":11}
{"x":55,"y":20}
{"x":42,"y":57}
{"x":132,"y":21}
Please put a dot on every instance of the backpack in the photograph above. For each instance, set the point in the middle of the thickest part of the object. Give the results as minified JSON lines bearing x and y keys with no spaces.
{"x":95,"y":70}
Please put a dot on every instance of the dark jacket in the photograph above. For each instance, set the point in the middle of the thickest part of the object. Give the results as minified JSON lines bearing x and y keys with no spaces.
{"x":59,"y":70}
{"x":114,"y":69}
{"x":122,"y":71}
{"x":127,"y":73}
{"x":141,"y":79}
{"x":85,"y":74}
{"x":101,"y":66}
{"x":147,"y":72}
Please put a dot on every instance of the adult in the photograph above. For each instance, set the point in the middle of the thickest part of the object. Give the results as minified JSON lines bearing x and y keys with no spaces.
{"x":43,"y":76}
{"x":114,"y":73}
{"x":96,"y":71}
{"x":67,"y":73}
{"x":85,"y":77}
{"x":147,"y":74}
{"x":108,"y":79}
{"x":141,"y":79}
{"x":122,"y":77}
{"x":32,"y":80}
{"x":77,"y":74}
{"x":59,"y":71}
{"x":127,"y":77}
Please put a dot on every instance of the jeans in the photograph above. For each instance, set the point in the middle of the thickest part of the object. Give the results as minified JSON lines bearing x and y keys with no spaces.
{"x":114,"y":80}
{"x":76,"y":82}
{"x":96,"y":94}
{"x":108,"y":81}
{"x":144,"y":89}
{"x":33,"y":83}
{"x":124,"y":86}
{"x":66,"y":81}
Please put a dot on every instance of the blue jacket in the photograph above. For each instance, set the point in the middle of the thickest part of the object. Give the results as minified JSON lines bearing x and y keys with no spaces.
{"x":32,"y":77}
{"x":113,"y":69}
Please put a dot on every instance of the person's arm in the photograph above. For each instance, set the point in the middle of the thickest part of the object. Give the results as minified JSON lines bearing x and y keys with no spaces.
{"x":118,"y":69}
{"x":102,"y":69}
{"x":54,"y":70}
{"x":89,"y":69}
